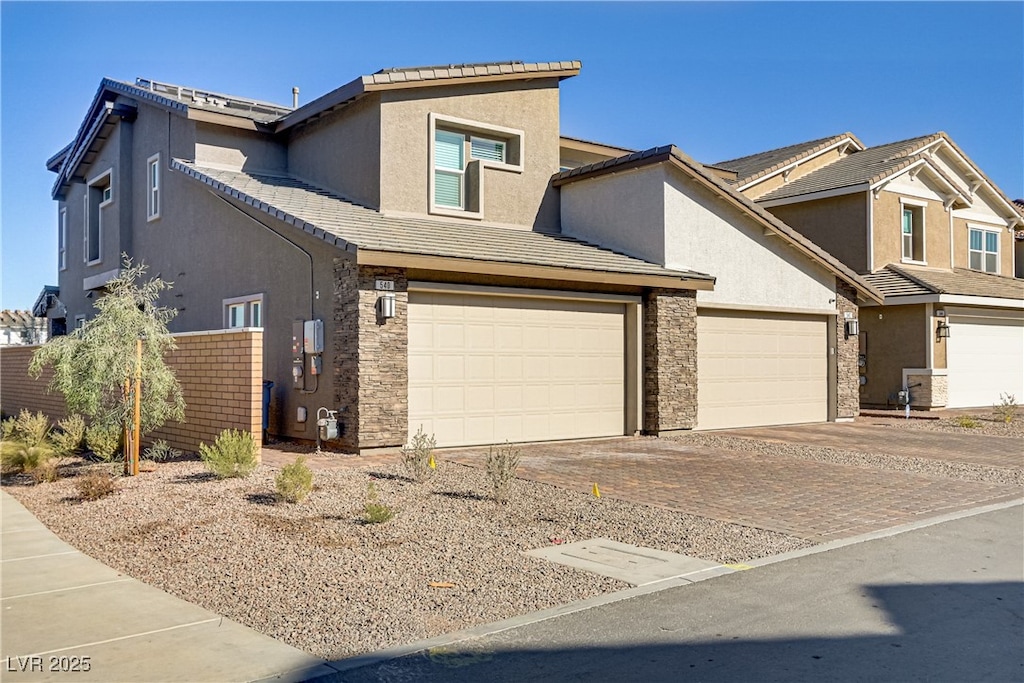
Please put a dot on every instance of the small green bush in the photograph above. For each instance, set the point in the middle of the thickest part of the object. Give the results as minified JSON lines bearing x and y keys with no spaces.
{"x":17,"y":456}
{"x":95,"y":485}
{"x":966,"y":422}
{"x":375,"y":512}
{"x":67,"y":440}
{"x":502,"y":463}
{"x":160,"y":451}
{"x":233,"y":454}
{"x":416,"y":455}
{"x":104,"y":442}
{"x":295,"y":481}
{"x":1006,"y":409}
{"x":28,"y":428}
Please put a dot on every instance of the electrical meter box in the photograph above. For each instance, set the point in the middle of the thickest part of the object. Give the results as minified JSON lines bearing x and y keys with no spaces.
{"x":313,"y":336}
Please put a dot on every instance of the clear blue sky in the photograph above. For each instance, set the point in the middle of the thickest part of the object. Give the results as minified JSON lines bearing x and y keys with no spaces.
{"x":718,"y":80}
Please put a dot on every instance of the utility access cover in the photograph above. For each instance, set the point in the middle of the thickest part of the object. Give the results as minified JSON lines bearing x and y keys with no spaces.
{"x":622,"y":561}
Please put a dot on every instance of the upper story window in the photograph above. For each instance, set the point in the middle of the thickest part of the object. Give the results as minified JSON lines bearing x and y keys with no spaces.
{"x":983,"y":250}
{"x":62,"y":239}
{"x":460,"y":150}
{"x":912,"y":232}
{"x":153,"y":187}
{"x":99,"y":194}
{"x":243,"y":311}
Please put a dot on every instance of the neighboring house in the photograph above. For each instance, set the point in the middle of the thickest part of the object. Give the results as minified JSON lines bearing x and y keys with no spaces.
{"x":930,"y":230}
{"x":21,"y":327}
{"x":402,"y":244}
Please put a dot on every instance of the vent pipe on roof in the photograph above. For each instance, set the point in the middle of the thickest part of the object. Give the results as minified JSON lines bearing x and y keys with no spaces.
{"x":295,"y":97}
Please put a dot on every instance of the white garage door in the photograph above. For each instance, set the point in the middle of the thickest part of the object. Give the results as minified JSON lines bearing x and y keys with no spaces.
{"x":756,"y":369}
{"x":488,"y":369}
{"x":985,"y":357}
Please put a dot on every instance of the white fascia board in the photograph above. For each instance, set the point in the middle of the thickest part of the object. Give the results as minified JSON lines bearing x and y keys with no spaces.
{"x":1014,"y":217}
{"x":955,"y":300}
{"x":811,"y":196}
{"x":840,"y":143}
{"x":927,"y":165}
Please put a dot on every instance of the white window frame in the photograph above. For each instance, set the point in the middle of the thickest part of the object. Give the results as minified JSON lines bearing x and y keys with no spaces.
{"x":153,"y":188}
{"x":253,"y":311}
{"x":984,"y":229}
{"x":105,"y":202}
{"x":62,"y":239}
{"x":514,"y":153}
{"x":922,"y":207}
{"x":79,"y":321}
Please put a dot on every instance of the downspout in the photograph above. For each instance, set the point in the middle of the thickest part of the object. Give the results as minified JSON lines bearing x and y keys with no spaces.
{"x":871,"y":231}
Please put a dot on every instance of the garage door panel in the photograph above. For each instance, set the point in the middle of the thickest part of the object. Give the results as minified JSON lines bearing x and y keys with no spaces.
{"x":984,"y":358}
{"x":759,"y":369}
{"x":551,"y":369}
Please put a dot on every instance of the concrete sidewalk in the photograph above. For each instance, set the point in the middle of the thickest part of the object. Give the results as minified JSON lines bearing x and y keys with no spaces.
{"x":68,"y":617}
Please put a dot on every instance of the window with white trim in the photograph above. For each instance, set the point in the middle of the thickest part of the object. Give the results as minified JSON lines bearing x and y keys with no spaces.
{"x":243,"y":311}
{"x":98,"y":195}
{"x":983,"y":250}
{"x":912,"y":233}
{"x":79,"y":322}
{"x":62,"y":239}
{"x":153,"y":187}
{"x":460,"y":150}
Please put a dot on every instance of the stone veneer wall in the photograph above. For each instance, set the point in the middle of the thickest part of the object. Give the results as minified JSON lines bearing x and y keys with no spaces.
{"x":847,"y":352}
{"x":220,"y":373}
{"x":371,"y":372}
{"x":932,"y":393}
{"x":670,"y":360}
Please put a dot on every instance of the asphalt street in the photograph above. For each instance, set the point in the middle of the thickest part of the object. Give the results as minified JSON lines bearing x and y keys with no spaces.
{"x":939,"y":603}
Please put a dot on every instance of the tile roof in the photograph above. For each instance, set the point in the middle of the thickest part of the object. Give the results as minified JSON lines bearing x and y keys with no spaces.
{"x":354,"y":227}
{"x":449,"y":71}
{"x":860,"y":167}
{"x":11,"y":318}
{"x":675,"y":155}
{"x":756,"y":165}
{"x":900,"y":280}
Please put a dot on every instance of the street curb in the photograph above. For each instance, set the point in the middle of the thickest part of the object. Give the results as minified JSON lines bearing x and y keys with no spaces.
{"x":381,"y":656}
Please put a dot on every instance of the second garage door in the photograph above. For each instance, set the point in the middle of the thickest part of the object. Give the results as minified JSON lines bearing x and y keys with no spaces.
{"x":487,"y":369}
{"x":985,"y":358}
{"x":758,"y":369}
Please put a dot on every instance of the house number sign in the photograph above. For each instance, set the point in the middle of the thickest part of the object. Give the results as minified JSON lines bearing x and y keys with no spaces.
{"x":384,"y":285}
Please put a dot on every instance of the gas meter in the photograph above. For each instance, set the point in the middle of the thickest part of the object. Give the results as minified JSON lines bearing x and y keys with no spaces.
{"x":327,"y":424}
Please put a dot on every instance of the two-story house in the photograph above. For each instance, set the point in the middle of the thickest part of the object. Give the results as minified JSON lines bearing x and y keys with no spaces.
{"x":405,"y":249}
{"x":933,"y":233}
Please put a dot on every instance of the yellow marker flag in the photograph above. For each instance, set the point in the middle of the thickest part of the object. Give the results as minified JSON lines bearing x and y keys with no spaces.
{"x":596,"y":491}
{"x":430,"y":463}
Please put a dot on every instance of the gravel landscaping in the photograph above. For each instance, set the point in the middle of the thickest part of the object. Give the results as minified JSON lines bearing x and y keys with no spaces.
{"x":983,"y":425}
{"x":315,"y":576}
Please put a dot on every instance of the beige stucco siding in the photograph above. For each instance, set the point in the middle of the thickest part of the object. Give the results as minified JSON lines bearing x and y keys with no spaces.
{"x":892,"y":338}
{"x":836,"y":224}
{"x":888,"y":226}
{"x":341,"y":151}
{"x":803,"y":168}
{"x":961,"y":243}
{"x":522,"y":199}
{"x":238,"y":150}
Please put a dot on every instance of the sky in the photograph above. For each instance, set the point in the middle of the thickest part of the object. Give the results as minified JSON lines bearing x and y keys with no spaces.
{"x":719,"y":80}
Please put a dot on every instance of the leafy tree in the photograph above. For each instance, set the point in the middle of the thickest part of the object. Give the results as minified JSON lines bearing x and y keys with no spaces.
{"x":92,"y":363}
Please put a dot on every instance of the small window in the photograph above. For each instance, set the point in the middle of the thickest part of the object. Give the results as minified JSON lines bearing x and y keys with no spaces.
{"x":984,"y":250}
{"x":449,"y":168}
{"x":153,"y":187}
{"x":99,"y":194}
{"x":243,"y":311}
{"x":913,"y":233}
{"x":62,"y":239}
{"x":79,"y":322}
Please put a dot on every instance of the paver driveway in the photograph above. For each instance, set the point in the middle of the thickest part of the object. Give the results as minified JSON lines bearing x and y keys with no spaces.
{"x":815,"y":500}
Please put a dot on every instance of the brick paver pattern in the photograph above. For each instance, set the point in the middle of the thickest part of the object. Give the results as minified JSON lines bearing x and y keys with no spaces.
{"x":813,"y":500}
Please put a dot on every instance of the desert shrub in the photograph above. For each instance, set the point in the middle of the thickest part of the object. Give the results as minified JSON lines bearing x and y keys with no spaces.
{"x":502,"y":463}
{"x":29,"y":428}
{"x":160,"y":451}
{"x":233,"y":454}
{"x":104,"y":442}
{"x":966,"y":421}
{"x":69,"y":435}
{"x":1006,"y":409}
{"x":417,"y":455}
{"x":95,"y":485}
{"x":18,"y":456}
{"x":45,"y":472}
{"x":295,"y":481}
{"x":375,"y":512}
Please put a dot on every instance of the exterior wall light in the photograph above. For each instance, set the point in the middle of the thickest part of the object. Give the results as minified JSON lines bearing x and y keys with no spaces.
{"x":942,"y":331}
{"x":851,"y":328}
{"x":386,"y":306}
